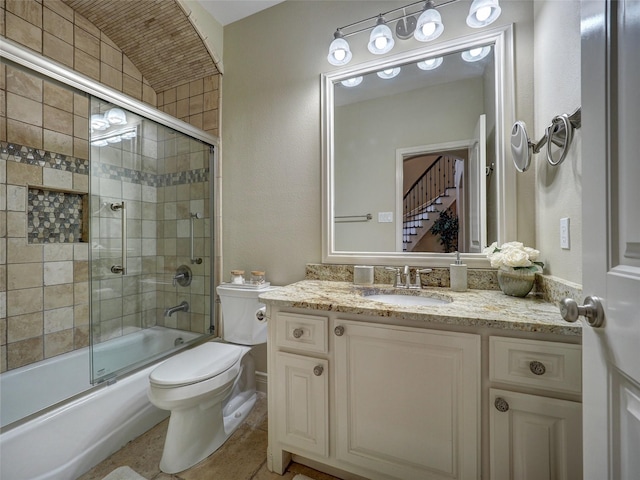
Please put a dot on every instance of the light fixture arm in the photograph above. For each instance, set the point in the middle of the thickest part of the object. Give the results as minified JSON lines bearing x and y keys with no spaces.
{"x":376,"y":18}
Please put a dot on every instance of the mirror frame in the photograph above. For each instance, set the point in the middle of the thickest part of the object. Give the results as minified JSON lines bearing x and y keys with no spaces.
{"x":504,"y":171}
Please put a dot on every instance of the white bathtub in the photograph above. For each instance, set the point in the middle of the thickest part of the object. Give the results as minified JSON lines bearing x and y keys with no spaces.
{"x":69,"y":439}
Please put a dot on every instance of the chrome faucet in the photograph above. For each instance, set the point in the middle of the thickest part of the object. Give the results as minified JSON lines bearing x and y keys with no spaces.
{"x":406,"y":271}
{"x":183,"y":307}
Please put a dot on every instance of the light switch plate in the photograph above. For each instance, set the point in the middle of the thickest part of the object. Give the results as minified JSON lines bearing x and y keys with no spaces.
{"x":564,"y":233}
{"x":385,"y":217}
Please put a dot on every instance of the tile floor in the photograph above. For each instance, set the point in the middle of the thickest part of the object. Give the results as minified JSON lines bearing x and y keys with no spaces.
{"x":242,"y":457}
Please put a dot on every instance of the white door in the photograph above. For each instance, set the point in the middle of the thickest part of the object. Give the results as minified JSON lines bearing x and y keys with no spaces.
{"x":611,"y":236}
{"x":478,"y":188}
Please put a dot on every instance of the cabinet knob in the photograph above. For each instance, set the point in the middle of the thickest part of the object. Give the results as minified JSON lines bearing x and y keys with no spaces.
{"x":537,"y":368}
{"x":501,"y":404}
{"x":298,"y":332}
{"x":317,"y":370}
{"x":339,"y":330}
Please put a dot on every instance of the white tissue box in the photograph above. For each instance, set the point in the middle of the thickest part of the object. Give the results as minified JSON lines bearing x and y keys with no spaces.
{"x":362,"y":275}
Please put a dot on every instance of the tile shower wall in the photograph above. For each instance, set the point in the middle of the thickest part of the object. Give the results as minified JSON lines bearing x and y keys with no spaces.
{"x":163,"y":178}
{"x":194,"y":102}
{"x":42,"y":115}
{"x":44,"y":288}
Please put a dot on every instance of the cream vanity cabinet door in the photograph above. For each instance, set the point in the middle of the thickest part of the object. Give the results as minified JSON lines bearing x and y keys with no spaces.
{"x":302,"y":402}
{"x":534,"y":436}
{"x":301,"y":385}
{"x":407,"y":401}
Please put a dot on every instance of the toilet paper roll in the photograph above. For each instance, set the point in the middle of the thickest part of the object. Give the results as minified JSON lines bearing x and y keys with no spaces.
{"x":261,"y":315}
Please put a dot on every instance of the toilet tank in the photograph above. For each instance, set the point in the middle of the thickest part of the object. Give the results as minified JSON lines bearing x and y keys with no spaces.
{"x":239,"y":307}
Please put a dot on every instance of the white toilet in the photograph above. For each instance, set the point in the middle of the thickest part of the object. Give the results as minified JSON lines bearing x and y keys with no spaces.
{"x":210,"y":389}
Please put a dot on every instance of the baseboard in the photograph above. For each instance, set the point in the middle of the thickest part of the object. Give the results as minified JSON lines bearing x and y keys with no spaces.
{"x":261,"y":382}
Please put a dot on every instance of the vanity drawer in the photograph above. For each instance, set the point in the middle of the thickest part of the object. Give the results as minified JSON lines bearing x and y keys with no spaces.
{"x":302,"y":332}
{"x":547,"y":365}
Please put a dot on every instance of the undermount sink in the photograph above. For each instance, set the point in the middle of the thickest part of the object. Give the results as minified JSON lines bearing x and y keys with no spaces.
{"x":406,"y":300}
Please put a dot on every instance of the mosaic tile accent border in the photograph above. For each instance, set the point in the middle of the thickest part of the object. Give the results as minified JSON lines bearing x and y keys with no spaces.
{"x":54,"y":216}
{"x":151,"y":179}
{"x":43,"y":158}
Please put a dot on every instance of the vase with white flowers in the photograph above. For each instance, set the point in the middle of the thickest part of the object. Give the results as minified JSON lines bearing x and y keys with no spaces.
{"x":517,"y":266}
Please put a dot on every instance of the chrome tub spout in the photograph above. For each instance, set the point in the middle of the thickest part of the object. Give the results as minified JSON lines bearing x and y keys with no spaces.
{"x":183,"y":307}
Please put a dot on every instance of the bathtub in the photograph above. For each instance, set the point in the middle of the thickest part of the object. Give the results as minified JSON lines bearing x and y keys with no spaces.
{"x":66,"y":440}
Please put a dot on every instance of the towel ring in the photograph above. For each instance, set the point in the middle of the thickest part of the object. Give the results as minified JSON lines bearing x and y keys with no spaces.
{"x":559,"y":133}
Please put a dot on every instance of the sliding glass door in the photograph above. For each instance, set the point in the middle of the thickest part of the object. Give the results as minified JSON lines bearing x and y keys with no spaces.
{"x":150,"y":252}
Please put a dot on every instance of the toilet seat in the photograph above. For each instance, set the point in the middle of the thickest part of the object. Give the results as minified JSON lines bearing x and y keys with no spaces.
{"x":196,"y":365}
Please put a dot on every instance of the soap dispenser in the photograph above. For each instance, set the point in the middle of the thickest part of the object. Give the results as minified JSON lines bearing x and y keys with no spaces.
{"x":458,"y":275}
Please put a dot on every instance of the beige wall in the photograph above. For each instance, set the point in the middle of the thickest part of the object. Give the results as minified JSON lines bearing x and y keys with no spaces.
{"x":271,"y":164}
{"x":557,"y":90}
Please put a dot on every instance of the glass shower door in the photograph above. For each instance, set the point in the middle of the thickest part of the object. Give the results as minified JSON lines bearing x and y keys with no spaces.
{"x":150,"y":254}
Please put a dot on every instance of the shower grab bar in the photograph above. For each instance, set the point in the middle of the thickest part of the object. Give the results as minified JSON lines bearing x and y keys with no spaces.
{"x":197,"y":260}
{"x":121,"y":269}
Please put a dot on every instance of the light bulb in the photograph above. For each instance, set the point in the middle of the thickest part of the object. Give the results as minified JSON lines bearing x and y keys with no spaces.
{"x":388,"y":73}
{"x":339,"y":51}
{"x":428,"y":29}
{"x":430,"y":63}
{"x":352,"y":82}
{"x":474,"y":52}
{"x":483,"y":13}
{"x":381,"y":42}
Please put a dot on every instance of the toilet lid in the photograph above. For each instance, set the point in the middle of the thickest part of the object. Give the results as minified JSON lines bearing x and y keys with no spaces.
{"x":196,"y":365}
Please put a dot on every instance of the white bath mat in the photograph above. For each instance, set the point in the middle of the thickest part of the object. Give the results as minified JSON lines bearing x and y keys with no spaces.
{"x":124,"y":473}
{"x":302,"y":477}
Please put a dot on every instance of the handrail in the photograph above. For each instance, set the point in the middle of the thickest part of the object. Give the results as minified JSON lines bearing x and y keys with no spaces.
{"x":429,"y":186}
{"x":424,"y":174}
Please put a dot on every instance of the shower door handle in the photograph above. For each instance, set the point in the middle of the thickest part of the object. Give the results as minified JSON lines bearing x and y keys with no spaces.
{"x":122,"y":268}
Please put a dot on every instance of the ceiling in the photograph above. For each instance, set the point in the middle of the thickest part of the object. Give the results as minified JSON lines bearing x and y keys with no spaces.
{"x":229,"y":11}
{"x":159,"y":38}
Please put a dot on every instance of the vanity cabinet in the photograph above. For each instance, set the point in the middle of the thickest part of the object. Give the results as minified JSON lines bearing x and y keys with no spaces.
{"x":376,"y":400}
{"x":301,"y":391}
{"x":534,"y":435}
{"x":407,"y":401}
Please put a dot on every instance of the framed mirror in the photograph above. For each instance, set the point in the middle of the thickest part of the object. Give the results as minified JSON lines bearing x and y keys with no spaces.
{"x":414,"y":154}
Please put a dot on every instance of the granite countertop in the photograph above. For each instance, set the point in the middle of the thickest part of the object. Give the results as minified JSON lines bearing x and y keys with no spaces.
{"x":479,"y":308}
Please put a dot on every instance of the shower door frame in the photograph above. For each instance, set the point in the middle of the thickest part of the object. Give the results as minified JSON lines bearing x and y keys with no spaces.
{"x":14,"y":52}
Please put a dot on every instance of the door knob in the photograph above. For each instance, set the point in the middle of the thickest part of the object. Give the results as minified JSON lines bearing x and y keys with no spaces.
{"x":318,"y":369}
{"x":298,"y":332}
{"x":592,"y":310}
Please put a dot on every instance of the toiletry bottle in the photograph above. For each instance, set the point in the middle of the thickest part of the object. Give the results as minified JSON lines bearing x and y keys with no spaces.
{"x":458,"y":275}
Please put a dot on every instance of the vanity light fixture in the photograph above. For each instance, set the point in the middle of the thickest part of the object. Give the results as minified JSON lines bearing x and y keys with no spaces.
{"x":339,"y":51}
{"x":427,"y":27}
{"x":388,"y":73}
{"x":98,"y":122}
{"x":116,"y":116}
{"x":381,"y":39}
{"x":352,"y":82}
{"x":430,"y":63}
{"x":483,"y":13}
{"x":114,"y":136}
{"x":475,"y":54}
